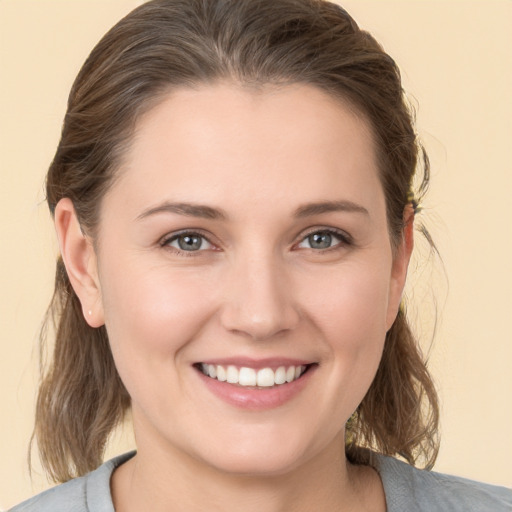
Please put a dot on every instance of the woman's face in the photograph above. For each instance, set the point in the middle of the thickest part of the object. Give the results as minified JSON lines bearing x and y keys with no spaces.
{"x":247,"y":238}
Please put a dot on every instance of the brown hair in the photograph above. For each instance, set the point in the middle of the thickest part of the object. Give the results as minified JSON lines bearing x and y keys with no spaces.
{"x":168,"y":43}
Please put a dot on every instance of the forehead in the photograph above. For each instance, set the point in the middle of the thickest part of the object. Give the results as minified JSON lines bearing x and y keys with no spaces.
{"x":289,"y":144}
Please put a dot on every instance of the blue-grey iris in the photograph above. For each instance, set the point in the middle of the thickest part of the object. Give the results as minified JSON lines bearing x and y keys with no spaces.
{"x":190,"y":242}
{"x":320,"y":240}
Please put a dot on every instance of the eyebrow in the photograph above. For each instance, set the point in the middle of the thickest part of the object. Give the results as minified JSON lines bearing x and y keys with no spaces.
{"x":187,"y":209}
{"x":207,"y":212}
{"x":311,"y":209}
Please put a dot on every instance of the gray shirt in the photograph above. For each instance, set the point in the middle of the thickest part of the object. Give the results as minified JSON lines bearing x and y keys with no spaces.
{"x":407,"y":490}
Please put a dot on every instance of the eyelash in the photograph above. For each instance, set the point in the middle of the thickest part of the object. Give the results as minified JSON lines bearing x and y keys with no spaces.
{"x":345,"y":240}
{"x":167,"y":240}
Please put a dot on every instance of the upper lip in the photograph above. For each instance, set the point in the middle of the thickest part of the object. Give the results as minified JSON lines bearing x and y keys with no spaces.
{"x":270,"y":362}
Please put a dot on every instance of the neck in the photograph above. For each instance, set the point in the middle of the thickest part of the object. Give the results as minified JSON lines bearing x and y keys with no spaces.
{"x":172,"y":482}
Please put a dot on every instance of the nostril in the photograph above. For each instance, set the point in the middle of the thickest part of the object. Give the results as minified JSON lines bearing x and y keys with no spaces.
{"x":259,"y":326}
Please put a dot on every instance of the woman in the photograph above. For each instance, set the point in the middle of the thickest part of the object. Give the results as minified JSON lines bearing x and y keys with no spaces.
{"x":233,"y":200}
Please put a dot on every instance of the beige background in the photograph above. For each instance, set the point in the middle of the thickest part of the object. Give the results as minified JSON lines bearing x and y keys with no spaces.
{"x":456,"y":59}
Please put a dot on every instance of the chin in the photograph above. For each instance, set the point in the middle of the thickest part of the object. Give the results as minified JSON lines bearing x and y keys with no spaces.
{"x":257,"y":464}
{"x":260,"y":455}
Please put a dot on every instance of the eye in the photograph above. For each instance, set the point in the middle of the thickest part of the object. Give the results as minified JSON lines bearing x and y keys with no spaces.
{"x":323,"y":239}
{"x":187,"y":242}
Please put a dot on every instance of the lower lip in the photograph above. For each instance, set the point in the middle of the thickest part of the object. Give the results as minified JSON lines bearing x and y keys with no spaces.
{"x":256,"y":399}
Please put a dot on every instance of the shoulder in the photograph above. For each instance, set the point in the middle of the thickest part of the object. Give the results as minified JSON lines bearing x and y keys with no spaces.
{"x":415,"y":490}
{"x":89,"y":493}
{"x":69,"y":496}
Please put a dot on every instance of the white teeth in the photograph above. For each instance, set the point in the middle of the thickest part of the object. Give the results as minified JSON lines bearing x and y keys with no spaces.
{"x":264,"y":377}
{"x":280,"y":376}
{"x":232,"y":375}
{"x":221,"y":374}
{"x":247,"y":377}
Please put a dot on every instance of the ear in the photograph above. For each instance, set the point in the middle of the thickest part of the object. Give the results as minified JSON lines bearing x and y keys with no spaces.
{"x":400,"y":265}
{"x":80,"y":260}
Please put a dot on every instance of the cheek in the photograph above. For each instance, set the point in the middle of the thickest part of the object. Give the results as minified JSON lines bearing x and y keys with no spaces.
{"x":351,"y":314}
{"x":152,"y":316}
{"x":352,"y":304}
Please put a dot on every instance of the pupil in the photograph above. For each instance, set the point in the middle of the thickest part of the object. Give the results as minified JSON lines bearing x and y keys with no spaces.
{"x":190,"y":242}
{"x":320,"y":240}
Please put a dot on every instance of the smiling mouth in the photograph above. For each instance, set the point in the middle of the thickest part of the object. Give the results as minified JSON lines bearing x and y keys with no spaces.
{"x":250,"y":377}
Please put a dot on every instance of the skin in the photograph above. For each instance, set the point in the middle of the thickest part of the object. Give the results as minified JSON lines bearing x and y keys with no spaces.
{"x":255,"y":289}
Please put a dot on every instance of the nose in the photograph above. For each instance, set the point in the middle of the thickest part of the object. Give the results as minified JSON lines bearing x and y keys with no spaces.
{"x":259,"y":302}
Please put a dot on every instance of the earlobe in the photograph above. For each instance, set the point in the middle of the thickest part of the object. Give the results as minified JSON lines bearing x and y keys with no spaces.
{"x":401,"y":260}
{"x":79,"y":258}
